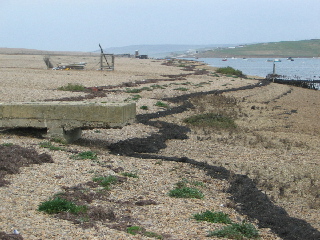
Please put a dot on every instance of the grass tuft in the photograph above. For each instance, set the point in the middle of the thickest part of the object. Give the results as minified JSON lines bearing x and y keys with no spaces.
{"x":7,"y":144}
{"x":133,"y":90}
{"x":129,"y":174}
{"x":50,"y":146}
{"x":73,"y":87}
{"x":181,"y":89}
{"x":213,"y":217}
{"x":161,"y":104}
{"x":236,"y":231}
{"x":152,"y":235}
{"x":144,"y":107}
{"x":211,"y":120}
{"x":85,"y":155}
{"x":186,"y":192}
{"x":106,"y":181}
{"x":136,"y":97}
{"x":134,"y":230}
{"x":58,"y":205}
{"x":230,"y":71}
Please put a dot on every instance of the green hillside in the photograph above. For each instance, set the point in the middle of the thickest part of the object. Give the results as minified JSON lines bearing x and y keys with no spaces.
{"x":304,"y":48}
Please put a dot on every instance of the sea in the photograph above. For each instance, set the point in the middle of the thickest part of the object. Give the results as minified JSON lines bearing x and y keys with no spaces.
{"x":299,"y":68}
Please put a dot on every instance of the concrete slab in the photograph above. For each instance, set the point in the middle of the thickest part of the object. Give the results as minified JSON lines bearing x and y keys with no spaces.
{"x":66,"y":119}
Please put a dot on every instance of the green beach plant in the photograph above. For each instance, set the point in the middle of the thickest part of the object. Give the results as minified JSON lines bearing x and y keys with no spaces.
{"x":133,"y":90}
{"x":106,"y":181}
{"x":211,"y":120}
{"x":135,"y":230}
{"x":186,"y":192}
{"x":137,"y":90}
{"x":136,"y":97}
{"x":85,"y":155}
{"x":144,"y":107}
{"x":73,"y":87}
{"x":57,"y":205}
{"x":213,"y":217}
{"x":152,"y":235}
{"x":230,"y":71}
{"x":161,"y":104}
{"x":236,"y":231}
{"x":155,"y":86}
{"x":181,"y":89}
{"x":130,"y":174}
{"x":50,"y":146}
{"x":7,"y":144}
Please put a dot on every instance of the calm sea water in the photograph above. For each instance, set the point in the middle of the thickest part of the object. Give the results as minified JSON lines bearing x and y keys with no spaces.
{"x":305,"y":68}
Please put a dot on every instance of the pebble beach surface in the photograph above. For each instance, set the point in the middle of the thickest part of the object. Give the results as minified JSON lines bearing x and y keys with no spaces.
{"x":276,"y":147}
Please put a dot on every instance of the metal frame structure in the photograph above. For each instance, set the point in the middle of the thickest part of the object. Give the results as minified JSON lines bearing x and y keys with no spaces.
{"x":109,"y":66}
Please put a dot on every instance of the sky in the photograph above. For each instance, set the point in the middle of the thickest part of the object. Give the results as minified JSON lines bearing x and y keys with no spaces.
{"x":80,"y":25}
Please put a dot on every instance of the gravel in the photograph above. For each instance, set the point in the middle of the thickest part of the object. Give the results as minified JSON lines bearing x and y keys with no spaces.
{"x":162,"y":151}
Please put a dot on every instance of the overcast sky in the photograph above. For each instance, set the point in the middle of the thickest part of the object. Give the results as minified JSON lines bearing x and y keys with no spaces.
{"x":80,"y":25}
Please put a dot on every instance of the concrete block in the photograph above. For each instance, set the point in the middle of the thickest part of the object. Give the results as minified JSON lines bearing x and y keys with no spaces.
{"x":66,"y":119}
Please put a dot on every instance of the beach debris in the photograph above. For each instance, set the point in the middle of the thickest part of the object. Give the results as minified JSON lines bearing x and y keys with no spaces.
{"x":47,"y":61}
{"x":68,"y":66}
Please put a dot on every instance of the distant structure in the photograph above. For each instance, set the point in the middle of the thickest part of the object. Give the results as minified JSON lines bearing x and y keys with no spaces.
{"x":143,"y":56}
{"x":109,"y":60}
{"x":140,"y":56}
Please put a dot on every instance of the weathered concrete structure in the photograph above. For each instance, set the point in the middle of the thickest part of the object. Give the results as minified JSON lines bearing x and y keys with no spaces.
{"x":66,"y":119}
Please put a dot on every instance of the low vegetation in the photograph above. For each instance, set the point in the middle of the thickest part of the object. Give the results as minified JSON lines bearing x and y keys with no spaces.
{"x":85,"y":155}
{"x":184,"y":190}
{"x":130,"y":174}
{"x":181,"y":89}
{"x":57,"y":205}
{"x":157,"y":86}
{"x":230,"y":71}
{"x":137,"y":90}
{"x":236,"y":231}
{"x":232,"y":230}
{"x":50,"y":146}
{"x":161,"y":104}
{"x":106,"y":181}
{"x":144,"y":107}
{"x":73,"y":87}
{"x":134,"y":230}
{"x":213,"y":217}
{"x":211,"y":120}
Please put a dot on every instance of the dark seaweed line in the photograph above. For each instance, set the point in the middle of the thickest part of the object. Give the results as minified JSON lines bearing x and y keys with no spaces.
{"x":254,"y":203}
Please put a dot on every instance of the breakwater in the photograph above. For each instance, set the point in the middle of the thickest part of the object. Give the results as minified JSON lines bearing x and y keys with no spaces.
{"x":296,"y":81}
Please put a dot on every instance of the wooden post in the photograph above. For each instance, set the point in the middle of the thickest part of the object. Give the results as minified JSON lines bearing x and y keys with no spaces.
{"x":274,"y":71}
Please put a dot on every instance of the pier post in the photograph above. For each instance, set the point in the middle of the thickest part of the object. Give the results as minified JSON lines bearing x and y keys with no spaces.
{"x":274,"y":71}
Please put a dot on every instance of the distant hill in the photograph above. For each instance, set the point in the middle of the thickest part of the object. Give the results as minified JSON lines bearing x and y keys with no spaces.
{"x":161,"y":50}
{"x":26,"y":51}
{"x":304,"y":48}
